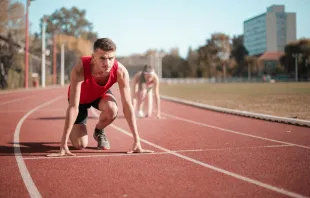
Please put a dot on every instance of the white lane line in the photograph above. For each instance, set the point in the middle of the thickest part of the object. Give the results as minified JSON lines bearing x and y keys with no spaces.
{"x":110,"y":155}
{"x":16,"y":100}
{"x":243,"y":178}
{"x":155,"y":153}
{"x":247,"y":147}
{"x":275,"y":146}
{"x":232,"y":131}
{"x":31,"y":187}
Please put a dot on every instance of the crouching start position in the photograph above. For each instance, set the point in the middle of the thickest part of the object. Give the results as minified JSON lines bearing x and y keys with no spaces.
{"x":144,"y":83}
{"x":90,"y":83}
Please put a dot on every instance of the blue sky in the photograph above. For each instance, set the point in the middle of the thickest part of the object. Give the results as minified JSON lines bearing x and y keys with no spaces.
{"x":138,"y":25}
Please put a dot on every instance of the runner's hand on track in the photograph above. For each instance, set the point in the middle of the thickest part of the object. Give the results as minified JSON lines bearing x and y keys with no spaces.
{"x":64,"y":151}
{"x":138,"y":149}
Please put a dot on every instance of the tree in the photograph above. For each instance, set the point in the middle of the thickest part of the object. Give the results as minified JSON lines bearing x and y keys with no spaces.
{"x":71,"y":22}
{"x":192,"y":59}
{"x":11,"y":19}
{"x":174,"y":67}
{"x":4,"y":15}
{"x":207,"y":57}
{"x":222,"y":43}
{"x":301,"y":47}
{"x":12,"y":34}
{"x":252,"y":66}
{"x":239,"y":52}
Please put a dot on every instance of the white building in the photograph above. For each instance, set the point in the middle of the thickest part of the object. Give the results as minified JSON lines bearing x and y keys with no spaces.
{"x":270,"y":31}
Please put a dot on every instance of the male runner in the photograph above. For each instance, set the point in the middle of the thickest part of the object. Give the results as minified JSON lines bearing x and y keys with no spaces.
{"x":91,"y":79}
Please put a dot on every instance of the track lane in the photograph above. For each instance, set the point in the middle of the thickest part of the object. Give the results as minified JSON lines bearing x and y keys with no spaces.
{"x":277,"y":131}
{"x":9,"y":172}
{"x":124,"y":146}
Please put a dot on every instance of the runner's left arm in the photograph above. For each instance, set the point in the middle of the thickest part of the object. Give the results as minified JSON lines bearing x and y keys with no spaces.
{"x":157,"y":96}
{"x":128,"y":110}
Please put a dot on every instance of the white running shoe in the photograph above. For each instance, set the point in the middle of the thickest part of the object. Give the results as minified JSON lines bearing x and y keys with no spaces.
{"x":140,"y":114}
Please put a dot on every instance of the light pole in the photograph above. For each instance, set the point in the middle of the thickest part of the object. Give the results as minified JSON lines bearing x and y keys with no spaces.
{"x":43,"y":54}
{"x":62,"y":65}
{"x":160,"y":56}
{"x":26,"y":44}
{"x":54,"y":59}
{"x":296,"y":56}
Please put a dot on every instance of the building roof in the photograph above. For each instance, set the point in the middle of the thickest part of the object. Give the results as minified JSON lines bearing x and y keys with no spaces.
{"x":253,"y":18}
{"x":271,"y":56}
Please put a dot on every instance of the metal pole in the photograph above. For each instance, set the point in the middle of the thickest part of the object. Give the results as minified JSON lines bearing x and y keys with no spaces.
{"x":62,"y":66}
{"x":26,"y":44}
{"x":43,"y":55}
{"x":296,"y":67}
{"x":54,"y":59}
{"x":152,"y":60}
{"x":149,"y":59}
{"x":224,"y":71}
{"x":160,"y":66}
{"x":249,"y":72}
{"x":157,"y":63}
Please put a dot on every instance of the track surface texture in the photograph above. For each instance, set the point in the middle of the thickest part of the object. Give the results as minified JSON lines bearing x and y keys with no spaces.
{"x":198,"y":153}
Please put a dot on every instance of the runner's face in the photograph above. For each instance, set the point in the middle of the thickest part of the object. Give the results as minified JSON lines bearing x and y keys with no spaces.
{"x":103,"y":60}
{"x":148,"y":76}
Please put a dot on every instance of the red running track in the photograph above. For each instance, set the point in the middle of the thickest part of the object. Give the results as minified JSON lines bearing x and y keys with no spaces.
{"x":198,"y":153}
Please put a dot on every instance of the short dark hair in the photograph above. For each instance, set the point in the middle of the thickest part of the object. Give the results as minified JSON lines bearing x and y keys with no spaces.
{"x":104,"y":44}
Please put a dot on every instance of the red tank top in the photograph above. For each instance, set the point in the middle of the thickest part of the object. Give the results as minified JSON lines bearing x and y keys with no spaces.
{"x":90,"y":90}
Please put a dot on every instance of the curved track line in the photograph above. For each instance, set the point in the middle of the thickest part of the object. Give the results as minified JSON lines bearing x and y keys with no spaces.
{"x":232,"y":131}
{"x":31,"y":187}
{"x":240,"y":177}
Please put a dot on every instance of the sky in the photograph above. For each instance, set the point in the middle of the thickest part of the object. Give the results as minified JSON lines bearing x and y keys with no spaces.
{"x":138,"y":25}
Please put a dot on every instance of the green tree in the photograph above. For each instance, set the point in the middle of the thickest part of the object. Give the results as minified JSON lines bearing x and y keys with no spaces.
{"x":71,"y":22}
{"x":4,"y":15}
{"x":207,"y":58}
{"x":239,"y":53}
{"x":192,"y":59}
{"x":174,"y":67}
{"x":251,"y":66}
{"x":12,"y":34}
{"x":301,"y":47}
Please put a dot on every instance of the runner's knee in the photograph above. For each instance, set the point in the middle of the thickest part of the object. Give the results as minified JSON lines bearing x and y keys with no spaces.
{"x":112,"y":110}
{"x":109,"y":111}
{"x":78,"y":136}
{"x":79,"y":146}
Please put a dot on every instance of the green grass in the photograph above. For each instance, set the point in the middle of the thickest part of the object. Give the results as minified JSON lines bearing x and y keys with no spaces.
{"x":280,"y":99}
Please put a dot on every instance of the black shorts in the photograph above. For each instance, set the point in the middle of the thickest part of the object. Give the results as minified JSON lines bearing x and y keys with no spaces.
{"x":83,"y":109}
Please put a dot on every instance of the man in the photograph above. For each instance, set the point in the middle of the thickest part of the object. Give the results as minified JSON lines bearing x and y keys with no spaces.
{"x":91,"y":79}
{"x":143,"y":83}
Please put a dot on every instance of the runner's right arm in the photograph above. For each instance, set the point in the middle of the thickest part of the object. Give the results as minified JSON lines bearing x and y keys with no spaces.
{"x":76,"y":80}
{"x":77,"y":77}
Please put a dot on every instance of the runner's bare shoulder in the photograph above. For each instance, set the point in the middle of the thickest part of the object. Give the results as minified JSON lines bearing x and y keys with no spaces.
{"x":78,"y":70}
{"x":121,"y":70}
